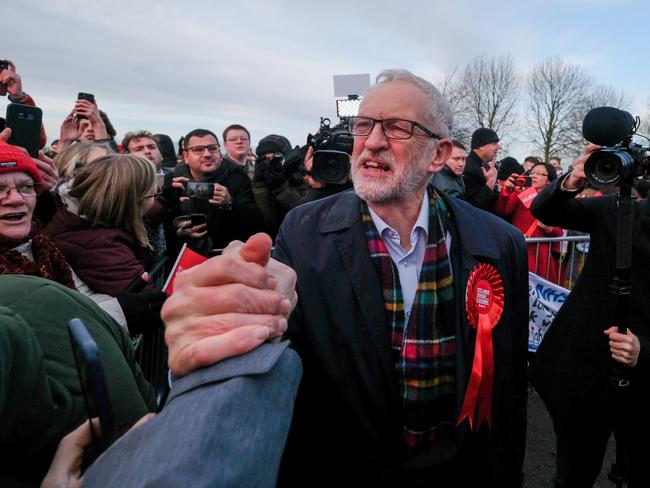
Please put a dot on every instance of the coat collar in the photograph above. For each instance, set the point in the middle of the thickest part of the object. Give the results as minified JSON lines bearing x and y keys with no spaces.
{"x":345,"y":213}
{"x":470,"y":227}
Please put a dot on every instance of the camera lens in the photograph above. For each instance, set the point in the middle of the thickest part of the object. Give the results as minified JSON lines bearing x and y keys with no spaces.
{"x":331,"y":167}
{"x":606,"y":167}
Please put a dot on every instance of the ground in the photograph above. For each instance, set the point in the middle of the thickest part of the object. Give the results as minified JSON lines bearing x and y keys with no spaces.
{"x":539,"y":465}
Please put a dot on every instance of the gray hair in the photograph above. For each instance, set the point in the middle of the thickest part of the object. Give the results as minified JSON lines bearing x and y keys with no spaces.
{"x":438,"y":110}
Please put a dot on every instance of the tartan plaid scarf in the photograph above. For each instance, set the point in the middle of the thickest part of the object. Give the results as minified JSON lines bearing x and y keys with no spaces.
{"x":424,"y":349}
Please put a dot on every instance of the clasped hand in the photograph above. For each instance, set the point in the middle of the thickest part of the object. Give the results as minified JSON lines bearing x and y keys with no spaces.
{"x":228,"y":305}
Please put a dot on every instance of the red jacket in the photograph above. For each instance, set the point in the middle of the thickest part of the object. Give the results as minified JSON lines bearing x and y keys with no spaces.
{"x":510,"y":204}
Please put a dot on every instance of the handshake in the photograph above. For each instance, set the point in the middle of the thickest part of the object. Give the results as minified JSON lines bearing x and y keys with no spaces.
{"x":228,"y":305}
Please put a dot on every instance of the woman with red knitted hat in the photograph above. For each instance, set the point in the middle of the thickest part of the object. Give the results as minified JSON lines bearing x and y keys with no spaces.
{"x":23,"y":248}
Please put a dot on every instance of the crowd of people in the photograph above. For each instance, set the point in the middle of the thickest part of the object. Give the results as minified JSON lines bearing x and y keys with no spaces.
{"x":403,"y":294}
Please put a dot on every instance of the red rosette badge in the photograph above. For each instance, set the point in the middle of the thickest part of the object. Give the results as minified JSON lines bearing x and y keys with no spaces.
{"x":484,"y":304}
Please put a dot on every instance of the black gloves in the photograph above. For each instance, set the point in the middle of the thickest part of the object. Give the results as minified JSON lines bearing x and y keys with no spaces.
{"x":264,"y":174}
{"x":141,"y":308}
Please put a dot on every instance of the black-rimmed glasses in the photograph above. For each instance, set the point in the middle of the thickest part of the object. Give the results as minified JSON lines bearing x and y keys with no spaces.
{"x":198,"y":150}
{"x":399,"y":129}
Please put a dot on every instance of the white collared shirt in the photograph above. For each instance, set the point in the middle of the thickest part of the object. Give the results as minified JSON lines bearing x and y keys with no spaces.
{"x":408,"y":263}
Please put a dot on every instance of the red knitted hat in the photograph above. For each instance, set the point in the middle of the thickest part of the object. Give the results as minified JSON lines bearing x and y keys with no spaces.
{"x":13,"y":159}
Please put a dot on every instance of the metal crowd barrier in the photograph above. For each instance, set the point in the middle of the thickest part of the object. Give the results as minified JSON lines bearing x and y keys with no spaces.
{"x":151,"y":350}
{"x":569,"y":253}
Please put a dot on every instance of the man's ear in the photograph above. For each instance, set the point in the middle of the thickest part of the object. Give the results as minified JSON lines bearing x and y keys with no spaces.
{"x":184,"y":156}
{"x":440,"y":154}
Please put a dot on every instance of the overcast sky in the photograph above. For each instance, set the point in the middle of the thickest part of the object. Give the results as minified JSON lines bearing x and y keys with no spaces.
{"x":172,"y":66}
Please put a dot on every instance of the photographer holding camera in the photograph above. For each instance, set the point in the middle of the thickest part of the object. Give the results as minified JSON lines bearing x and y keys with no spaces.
{"x":514,"y":202}
{"x":207,"y":185}
{"x":327,"y":160}
{"x":570,"y":369}
{"x":278,"y":185}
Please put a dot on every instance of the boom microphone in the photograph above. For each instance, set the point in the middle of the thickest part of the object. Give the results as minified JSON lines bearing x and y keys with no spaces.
{"x":607,"y":126}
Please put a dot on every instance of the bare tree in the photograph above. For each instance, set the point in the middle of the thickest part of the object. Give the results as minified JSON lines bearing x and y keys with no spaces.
{"x":598,"y":96}
{"x":490,"y":88}
{"x":645,"y":119}
{"x":557,"y":101}
{"x":607,"y":96}
{"x":453,"y":90}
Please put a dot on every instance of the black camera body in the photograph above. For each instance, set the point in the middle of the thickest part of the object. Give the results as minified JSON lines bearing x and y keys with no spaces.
{"x":276,"y":163}
{"x":620,"y":158}
{"x":198,"y":189}
{"x":524,"y":181}
{"x":610,"y":165}
{"x":290,"y":166}
{"x":332,"y":149}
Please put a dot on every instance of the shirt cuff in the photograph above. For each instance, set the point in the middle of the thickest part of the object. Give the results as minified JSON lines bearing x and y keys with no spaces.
{"x":574,"y":190}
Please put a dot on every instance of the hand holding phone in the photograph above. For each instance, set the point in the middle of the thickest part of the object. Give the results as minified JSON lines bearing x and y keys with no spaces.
{"x":198,"y":219}
{"x":93,"y":387}
{"x":4,"y":64}
{"x":185,"y":228}
{"x":85,"y":96}
{"x":25,"y":124}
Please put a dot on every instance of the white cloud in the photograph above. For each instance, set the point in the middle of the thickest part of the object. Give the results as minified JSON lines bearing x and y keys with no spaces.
{"x":171,"y":66}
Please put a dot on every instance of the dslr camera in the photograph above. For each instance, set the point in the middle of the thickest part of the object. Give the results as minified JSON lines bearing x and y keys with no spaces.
{"x":620,"y":158}
{"x":332,"y":149}
{"x":290,"y":166}
{"x":524,"y":181}
{"x":198,"y":189}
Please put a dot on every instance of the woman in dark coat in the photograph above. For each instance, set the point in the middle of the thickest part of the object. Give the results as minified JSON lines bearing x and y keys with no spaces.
{"x":102,"y":235}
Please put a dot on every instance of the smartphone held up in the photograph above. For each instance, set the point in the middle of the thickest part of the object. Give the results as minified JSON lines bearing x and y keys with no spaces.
{"x":85,"y":96}
{"x":25,"y":124}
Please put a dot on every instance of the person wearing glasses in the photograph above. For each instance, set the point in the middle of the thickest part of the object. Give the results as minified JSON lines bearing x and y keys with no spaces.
{"x":514,"y":203}
{"x":223,"y":194}
{"x":237,"y":143}
{"x":27,"y":250}
{"x":380,"y":323}
{"x":101,"y":233}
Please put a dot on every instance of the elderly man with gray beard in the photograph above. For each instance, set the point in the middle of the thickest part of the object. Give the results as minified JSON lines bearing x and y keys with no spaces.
{"x":411,"y":319}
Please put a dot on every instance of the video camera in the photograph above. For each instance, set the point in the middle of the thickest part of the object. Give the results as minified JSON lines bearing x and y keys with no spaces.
{"x":289,"y":165}
{"x":332,"y":149}
{"x":620,"y":157}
